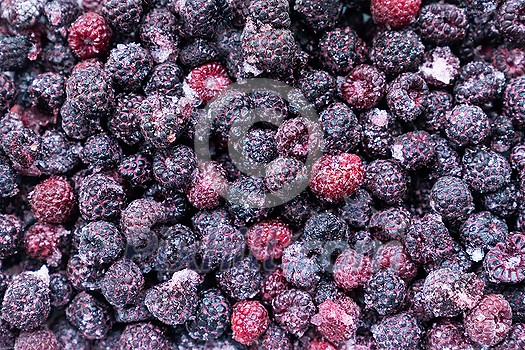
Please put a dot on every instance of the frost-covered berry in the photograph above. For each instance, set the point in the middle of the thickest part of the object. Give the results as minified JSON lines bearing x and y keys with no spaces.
{"x":99,"y":242}
{"x":89,"y":35}
{"x":292,"y":310}
{"x":505,"y":262}
{"x":38,"y":339}
{"x":242,"y":281}
{"x":129,"y":65}
{"x":401,"y":331}
{"x":352,"y":269}
{"x":90,"y":316}
{"x":489,"y":322}
{"x":122,"y":283}
{"x":145,"y":336}
{"x":337,"y":320}
{"x":386,"y":180}
{"x":394,"y":14}
{"x":466,"y":125}
{"x":450,"y":197}
{"x":480,"y":232}
{"x":100,"y":197}
{"x":267,"y":239}
{"x":45,"y":242}
{"x":212,"y":316}
{"x":208,"y":80}
{"x":249,"y":321}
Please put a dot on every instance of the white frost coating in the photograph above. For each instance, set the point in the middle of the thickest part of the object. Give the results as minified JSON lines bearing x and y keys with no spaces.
{"x":439,"y":69}
{"x":379,"y":117}
{"x":249,"y":68}
{"x":186,"y":278}
{"x":397,"y":152}
{"x":43,"y":273}
{"x":476,"y":254}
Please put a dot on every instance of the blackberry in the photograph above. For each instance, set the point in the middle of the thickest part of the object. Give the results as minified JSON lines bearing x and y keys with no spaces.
{"x":204,"y":220}
{"x":515,"y":295}
{"x":136,"y":169}
{"x":199,"y":18}
{"x":502,"y":202}
{"x":447,"y":334}
{"x":208,"y":187}
{"x":8,"y":92}
{"x":165,"y":79}
{"x":357,"y":209}
{"x":100,"y":197}
{"x":212,"y":316}
{"x":273,"y":107}
{"x":177,"y":249}
{"x":386,"y":180}
{"x":76,"y":123}
{"x":466,"y":124}
{"x":139,"y":220}
{"x":504,"y":262}
{"x":514,"y":339}
{"x":8,"y":180}
{"x":319,"y":16}
{"x":299,"y":209}
{"x":246,"y":200}
{"x":90,"y":316}
{"x":45,"y":242}
{"x":83,"y":276}
{"x":58,"y":155}
{"x":47,"y":91}
{"x":451,"y":198}
{"x":257,"y":146}
{"x":489,"y":322}
{"x":58,"y":58}
{"x":23,"y":15}
{"x":510,"y":61}
{"x":479,"y":84}
{"x":122,"y":283}
{"x":427,"y":239}
{"x":214,"y":241}
{"x":341,"y":50}
{"x":272,"y":12}
{"x":299,"y":266}
{"x":89,"y":35}
{"x":325,"y":226}
{"x":384,"y":292}
{"x":393,"y":257}
{"x":242,"y":281}
{"x":337,"y":320}
{"x":22,"y":147}
{"x":440,"y":67}
{"x":53,"y":200}
{"x":199,"y":52}
{"x":318,"y":87}
{"x":485,"y":170}
{"x":283,"y":175}
{"x":38,"y":339}
{"x":504,"y":135}
{"x":379,"y":129}
{"x":442,"y":24}
{"x":260,"y":44}
{"x":364,"y":87}
{"x":447,"y":159}
{"x":352,"y":269}
{"x":342,"y":132}
{"x":414,"y":150}
{"x":390,"y":224}
{"x":129,"y":65}
{"x":292,"y":310}
{"x":406,"y":96}
{"x":101,"y":152}
{"x":158,"y":32}
{"x":249,"y":321}
{"x":60,"y":15}
{"x":267,"y":239}
{"x":513,"y":100}
{"x":275,"y":338}
{"x":160,"y":123}
{"x":10,"y":234}
{"x":60,"y":290}
{"x":174,"y":302}
{"x":14,"y":51}
{"x":396,"y":52}
{"x":175,"y":167}
{"x":123,"y":15}
{"x":233,"y":107}
{"x":272,"y":285}
{"x":123,"y":123}
{"x":395,"y":14}
{"x":144,"y":335}
{"x":510,"y":22}
{"x":401,"y":331}
{"x":481,"y":232}
{"x":99,"y":242}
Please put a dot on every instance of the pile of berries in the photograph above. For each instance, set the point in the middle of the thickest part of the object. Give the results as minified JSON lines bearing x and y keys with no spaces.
{"x":376,"y":204}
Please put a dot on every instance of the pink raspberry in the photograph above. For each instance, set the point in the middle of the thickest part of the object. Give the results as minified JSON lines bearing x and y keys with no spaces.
{"x":53,"y":200}
{"x":337,"y":320}
{"x":249,"y":321}
{"x":209,"y":80}
{"x":89,"y":35}
{"x":489,"y":322}
{"x":267,"y":239}
{"x":352,"y":269}
{"x":394,"y":13}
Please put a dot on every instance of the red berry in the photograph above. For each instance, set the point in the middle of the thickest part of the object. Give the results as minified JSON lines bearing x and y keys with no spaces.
{"x":337,"y":320}
{"x":394,"y":13}
{"x":42,"y":241}
{"x":267,"y":239}
{"x":209,"y":186}
{"x":249,"y":321}
{"x":53,"y":200}
{"x":489,"y":322}
{"x":506,"y":261}
{"x":352,"y":269}
{"x":337,"y":176}
{"x":89,"y":35}
{"x":209,"y":80}
{"x":273,"y":284}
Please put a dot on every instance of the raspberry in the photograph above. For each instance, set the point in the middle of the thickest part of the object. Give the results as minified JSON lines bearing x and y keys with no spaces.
{"x":489,"y":322}
{"x":400,"y":331}
{"x":136,"y":169}
{"x":428,"y":239}
{"x":139,"y":219}
{"x":176,"y":249}
{"x":390,"y":224}
{"x":160,"y":123}
{"x":53,"y":200}
{"x":414,"y":150}
{"x":123,"y":123}
{"x":337,"y":320}
{"x":299,"y":266}
{"x":506,"y":260}
{"x":451,"y":198}
{"x":58,"y":155}
{"x":99,"y":242}
{"x":394,"y":14}
{"x":478,"y":83}
{"x":267,"y":239}
{"x":260,"y":44}
{"x":83,"y":276}
{"x":43,"y":241}
{"x":318,"y":87}
{"x":175,"y":167}
{"x":129,"y":65}
{"x":158,"y":31}
{"x":89,"y":35}
{"x":60,"y":290}
{"x":8,"y":180}
{"x":485,"y":170}
{"x":364,"y":87}
{"x":241,"y":281}
{"x":100,"y":197}
{"x":502,"y":202}
{"x":481,"y":232}
{"x":208,"y":186}
{"x":447,"y":335}
{"x":292,"y":310}
{"x":319,"y":16}
{"x":293,"y":138}
{"x":406,"y":96}
{"x":384,"y":292}
{"x":174,"y":302}
{"x":165,"y":79}
{"x":145,"y":336}
{"x":386,"y":180}
{"x":509,"y":21}
{"x":514,"y":339}
{"x":352,"y":269}
{"x":442,"y":24}
{"x":8,"y":92}
{"x":510,"y":61}
{"x":38,"y":339}
{"x":14,"y":50}
{"x":397,"y":52}
{"x":392,"y":256}
{"x":212,"y":316}
{"x":336,"y":176}
{"x":101,"y":152}
{"x":249,"y":321}
{"x":512,"y":100}
{"x":22,"y":146}
{"x":122,"y":283}
{"x":247,"y":198}
{"x":272,"y":285}
{"x":123,"y":15}
{"x":342,"y":132}
{"x":440,"y":67}
{"x":275,"y":338}
{"x":447,"y":293}
{"x":341,"y":50}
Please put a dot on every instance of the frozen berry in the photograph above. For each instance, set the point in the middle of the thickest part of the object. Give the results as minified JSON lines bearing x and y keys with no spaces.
{"x":394,"y":14}
{"x":90,"y":316}
{"x":45,"y":242}
{"x":60,"y":290}
{"x":414,"y":150}
{"x":8,"y":92}
{"x":481,"y":232}
{"x":123,"y":123}
{"x":401,"y":331}
{"x":38,"y":339}
{"x":292,"y":310}
{"x":442,"y":24}
{"x":242,"y":281}
{"x":489,"y":322}
{"x":249,"y":321}
{"x":342,"y":132}
{"x":386,"y":180}
{"x":159,"y":121}
{"x":406,"y":96}
{"x":352,"y":269}
{"x":506,"y":260}
{"x":451,"y":198}
{"x":122,"y":283}
{"x":177,"y":249}
{"x":510,"y":22}
{"x":299,"y":266}
{"x":396,"y":52}
{"x":428,"y":239}
{"x":129,"y":65}
{"x":513,"y":100}
{"x":53,"y":200}
{"x":341,"y":50}
{"x":165,"y":79}
{"x":209,"y":80}
{"x":89,"y":35}
{"x":100,"y":197}
{"x":447,"y":335}
{"x":123,"y":15}
{"x":212,"y":316}
{"x":485,"y":170}
{"x":273,"y":284}
{"x":267,"y":239}
{"x":10,"y":234}
{"x":101,"y":152}
{"x":385,"y":292}
{"x":364,"y":87}
{"x":337,"y":319}
{"x":479,"y":84}
{"x":393,"y":256}
{"x":440,"y":67}
{"x":145,"y":336}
